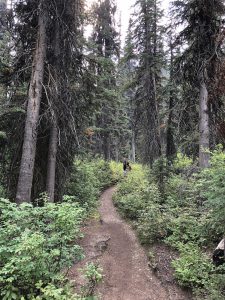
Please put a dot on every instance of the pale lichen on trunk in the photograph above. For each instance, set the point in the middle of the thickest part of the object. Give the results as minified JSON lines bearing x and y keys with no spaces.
{"x":34,"y":99}
{"x":203,"y":126}
{"x":51,"y":169}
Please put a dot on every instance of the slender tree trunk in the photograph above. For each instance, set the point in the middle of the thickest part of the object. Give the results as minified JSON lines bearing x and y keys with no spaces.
{"x":34,"y":98}
{"x":133,"y":147}
{"x":105,"y":146}
{"x":170,"y":144}
{"x":153,"y":141}
{"x":117,"y":150}
{"x":53,"y":140}
{"x":109,"y":148}
{"x":50,"y":183}
{"x":203,"y":126}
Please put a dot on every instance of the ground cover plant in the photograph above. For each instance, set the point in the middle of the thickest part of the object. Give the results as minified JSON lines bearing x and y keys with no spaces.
{"x":88,"y":179}
{"x":42,"y":239}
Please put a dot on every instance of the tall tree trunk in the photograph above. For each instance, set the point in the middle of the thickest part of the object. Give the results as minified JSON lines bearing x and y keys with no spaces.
{"x":34,"y":98}
{"x":107,"y":146}
{"x":117,"y":149}
{"x":133,"y":147}
{"x":50,"y":183}
{"x":170,"y":145}
{"x":153,"y":141}
{"x":53,"y":140}
{"x":203,"y":126}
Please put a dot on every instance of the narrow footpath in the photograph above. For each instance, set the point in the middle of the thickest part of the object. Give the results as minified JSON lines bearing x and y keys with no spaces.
{"x":112,"y":244}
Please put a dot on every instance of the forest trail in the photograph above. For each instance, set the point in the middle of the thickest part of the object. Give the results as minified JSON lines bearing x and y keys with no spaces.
{"x":112,"y":244}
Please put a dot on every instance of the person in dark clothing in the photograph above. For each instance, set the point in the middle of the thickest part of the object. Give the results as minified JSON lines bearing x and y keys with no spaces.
{"x":124,"y":166}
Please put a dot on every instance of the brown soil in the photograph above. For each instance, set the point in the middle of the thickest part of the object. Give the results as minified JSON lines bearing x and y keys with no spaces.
{"x":161,"y":263}
{"x":112,"y":244}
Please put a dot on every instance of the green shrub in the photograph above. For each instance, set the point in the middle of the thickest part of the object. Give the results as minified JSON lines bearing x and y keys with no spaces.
{"x":139,"y":200}
{"x":117,"y":171}
{"x":151,"y":225}
{"x":87,"y":180}
{"x":41,"y":241}
{"x":182,"y":161}
{"x":129,"y":205}
{"x":133,"y":193}
{"x":215,"y":289}
{"x":159,"y":174}
{"x":93,"y":274}
{"x":192,"y":268}
{"x":53,"y":292}
{"x":184,"y":228}
{"x":135,"y":182}
{"x":212,"y":188}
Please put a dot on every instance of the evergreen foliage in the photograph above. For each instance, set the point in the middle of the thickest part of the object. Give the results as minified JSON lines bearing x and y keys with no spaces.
{"x":72,"y":107}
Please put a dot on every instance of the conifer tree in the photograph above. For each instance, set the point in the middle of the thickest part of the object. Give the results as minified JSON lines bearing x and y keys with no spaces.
{"x":129,"y":63}
{"x":147,"y":38}
{"x":203,"y":19}
{"x":60,"y":108}
{"x":33,"y":107}
{"x":106,"y":52}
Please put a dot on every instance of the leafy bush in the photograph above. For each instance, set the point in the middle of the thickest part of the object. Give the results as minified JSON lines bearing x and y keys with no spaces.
{"x":186,"y":227}
{"x":117,"y":171}
{"x":180,"y":191}
{"x":139,"y":200}
{"x":182,"y":161}
{"x":193,"y":268}
{"x":88,"y":179}
{"x":215,"y":289}
{"x":159,"y":174}
{"x":151,"y":225}
{"x":53,"y":292}
{"x":40,"y":243}
{"x":196,"y":205}
{"x":93,"y":273}
{"x":131,"y":195}
{"x":212,"y":188}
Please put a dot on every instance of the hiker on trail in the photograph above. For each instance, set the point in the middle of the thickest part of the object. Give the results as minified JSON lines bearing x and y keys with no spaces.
{"x":124,"y":166}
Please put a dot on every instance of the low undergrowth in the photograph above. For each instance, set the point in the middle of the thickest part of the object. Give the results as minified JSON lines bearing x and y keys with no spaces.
{"x":185,"y":208}
{"x":38,"y":244}
{"x":88,"y":179}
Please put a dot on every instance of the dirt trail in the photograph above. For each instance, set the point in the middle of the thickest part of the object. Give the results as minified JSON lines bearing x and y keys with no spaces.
{"x":112,"y":244}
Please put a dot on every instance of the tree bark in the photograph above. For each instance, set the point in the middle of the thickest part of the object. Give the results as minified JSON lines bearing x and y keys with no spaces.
{"x":50,"y":183}
{"x":170,"y":144}
{"x":133,"y":147}
{"x":152,"y":140}
{"x":53,"y":139}
{"x":3,"y":7}
{"x":203,"y":126}
{"x":34,"y":99}
{"x":117,"y":150}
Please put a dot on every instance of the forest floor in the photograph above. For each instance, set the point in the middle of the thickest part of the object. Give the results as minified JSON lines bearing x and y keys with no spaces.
{"x":112,"y":244}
